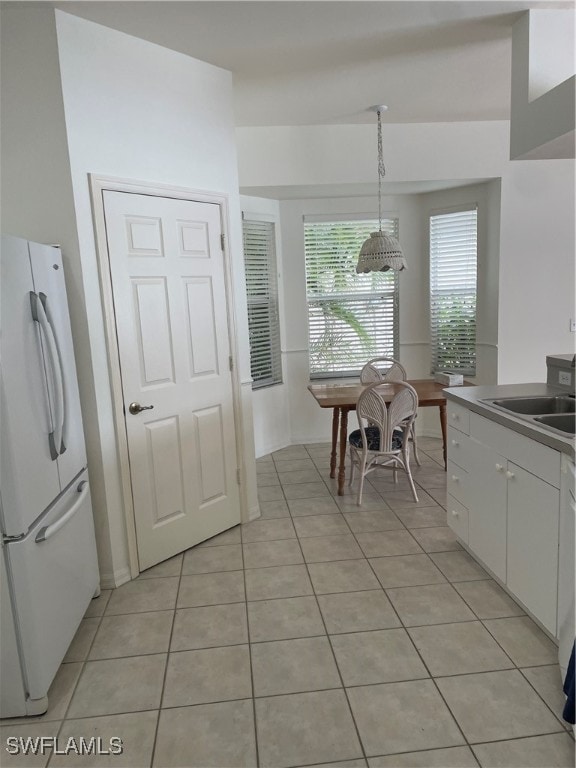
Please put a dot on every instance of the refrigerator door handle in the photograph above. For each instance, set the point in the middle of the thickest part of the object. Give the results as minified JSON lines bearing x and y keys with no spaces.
{"x":61,"y":445}
{"x":49,"y":530}
{"x":39,"y":315}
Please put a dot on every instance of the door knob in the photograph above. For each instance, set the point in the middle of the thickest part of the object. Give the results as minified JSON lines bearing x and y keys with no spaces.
{"x":135,"y":408}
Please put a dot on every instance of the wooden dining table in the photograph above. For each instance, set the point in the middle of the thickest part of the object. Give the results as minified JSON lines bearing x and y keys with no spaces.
{"x":342,"y":398}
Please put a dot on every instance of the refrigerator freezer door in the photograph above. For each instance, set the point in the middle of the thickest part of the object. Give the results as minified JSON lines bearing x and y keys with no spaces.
{"x":53,"y":578}
{"x":49,"y":285}
{"x":12,"y":693}
{"x":28,"y":476}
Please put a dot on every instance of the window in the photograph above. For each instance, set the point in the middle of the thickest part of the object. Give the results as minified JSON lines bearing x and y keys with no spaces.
{"x":453,"y":250}
{"x":351,"y":317}
{"x":262,"y":294}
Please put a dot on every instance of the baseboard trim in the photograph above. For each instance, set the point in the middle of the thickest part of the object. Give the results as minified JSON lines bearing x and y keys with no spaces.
{"x":115,"y":579}
{"x":274,"y":447}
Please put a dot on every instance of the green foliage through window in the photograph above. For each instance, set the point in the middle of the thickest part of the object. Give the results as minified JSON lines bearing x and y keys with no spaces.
{"x":453,"y":258}
{"x":351,"y":317}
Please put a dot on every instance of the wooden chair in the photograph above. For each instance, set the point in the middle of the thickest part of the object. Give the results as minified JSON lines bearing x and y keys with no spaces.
{"x":382,"y":438}
{"x":384,"y":369}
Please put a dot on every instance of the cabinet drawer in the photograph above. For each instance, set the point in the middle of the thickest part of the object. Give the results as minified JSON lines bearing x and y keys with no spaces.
{"x":457,"y":517}
{"x":458,"y":483}
{"x":458,"y":417}
{"x":459,"y":448}
{"x":540,"y":460}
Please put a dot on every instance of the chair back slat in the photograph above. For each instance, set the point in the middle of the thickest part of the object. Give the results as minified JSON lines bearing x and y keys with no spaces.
{"x":382,"y":369}
{"x":372,"y":409}
{"x":403,"y":407}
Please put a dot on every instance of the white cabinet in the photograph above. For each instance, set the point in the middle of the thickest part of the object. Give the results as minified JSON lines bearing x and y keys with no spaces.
{"x":487,"y":507}
{"x":457,"y":515}
{"x":458,"y":417}
{"x":566,"y":618}
{"x":457,"y":477}
{"x":532,"y":543}
{"x":504,"y":502}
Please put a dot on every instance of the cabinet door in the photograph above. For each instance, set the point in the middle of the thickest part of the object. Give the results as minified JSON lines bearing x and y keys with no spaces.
{"x":533,"y":543}
{"x":487,"y":507}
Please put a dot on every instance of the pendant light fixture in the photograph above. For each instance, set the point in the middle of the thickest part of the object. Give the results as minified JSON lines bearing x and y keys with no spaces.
{"x":381,"y":251}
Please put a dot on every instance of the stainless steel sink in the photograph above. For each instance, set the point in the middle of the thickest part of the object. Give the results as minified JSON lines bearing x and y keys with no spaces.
{"x":564,"y":422}
{"x":556,"y":413}
{"x":536,"y":406}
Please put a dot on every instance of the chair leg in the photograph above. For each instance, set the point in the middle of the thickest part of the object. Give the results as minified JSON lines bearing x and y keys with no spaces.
{"x":416,"y":457}
{"x":352,"y":467}
{"x":360,"y":487}
{"x":361,"y":469}
{"x":412,"y":486}
{"x":409,"y":473}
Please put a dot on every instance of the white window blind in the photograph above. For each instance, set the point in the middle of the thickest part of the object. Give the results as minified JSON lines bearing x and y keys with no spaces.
{"x":351,"y":317}
{"x":262,"y":294}
{"x":453,"y":256}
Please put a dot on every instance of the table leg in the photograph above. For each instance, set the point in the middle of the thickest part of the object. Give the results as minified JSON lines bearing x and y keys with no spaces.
{"x":442,"y":407}
{"x":335,"y":425}
{"x":343,"y":446}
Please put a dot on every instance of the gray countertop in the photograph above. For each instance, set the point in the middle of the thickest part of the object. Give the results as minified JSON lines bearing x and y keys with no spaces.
{"x":472,"y":397}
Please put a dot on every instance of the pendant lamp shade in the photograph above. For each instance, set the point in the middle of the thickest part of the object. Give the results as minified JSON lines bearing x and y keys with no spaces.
{"x":381,"y":251}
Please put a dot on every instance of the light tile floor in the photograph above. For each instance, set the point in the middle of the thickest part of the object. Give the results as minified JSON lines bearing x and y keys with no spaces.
{"x":322,"y":634}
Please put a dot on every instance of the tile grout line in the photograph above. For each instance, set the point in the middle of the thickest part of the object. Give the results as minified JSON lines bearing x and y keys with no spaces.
{"x":159,"y":711}
{"x":519,"y":667}
{"x":343,"y":687}
{"x":481,"y":621}
{"x":315,"y":594}
{"x":256,"y":745}
{"x":431,"y":677}
{"x":81,"y":673}
{"x":416,"y":649}
{"x":413,"y":643}
{"x":499,"y":644}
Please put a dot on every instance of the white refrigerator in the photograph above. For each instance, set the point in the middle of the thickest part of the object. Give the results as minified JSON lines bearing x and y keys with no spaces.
{"x":48,"y":568}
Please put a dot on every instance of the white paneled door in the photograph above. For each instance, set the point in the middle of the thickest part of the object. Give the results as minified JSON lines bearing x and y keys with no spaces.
{"x":167,"y":269}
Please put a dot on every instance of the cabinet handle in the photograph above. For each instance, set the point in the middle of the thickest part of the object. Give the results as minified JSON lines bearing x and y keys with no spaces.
{"x":455,"y":442}
{"x":455,"y":514}
{"x":509,"y":475}
{"x":499,"y":468}
{"x":455,"y":416}
{"x":455,"y":478}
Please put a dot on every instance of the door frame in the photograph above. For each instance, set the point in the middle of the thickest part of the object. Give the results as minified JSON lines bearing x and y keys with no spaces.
{"x":98,"y":185}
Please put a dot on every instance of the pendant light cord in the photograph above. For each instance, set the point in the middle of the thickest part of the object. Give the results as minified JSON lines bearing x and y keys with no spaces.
{"x":381,"y":169}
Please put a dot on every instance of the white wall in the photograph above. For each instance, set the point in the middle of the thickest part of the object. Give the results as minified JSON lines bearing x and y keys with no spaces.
{"x":271,"y":413}
{"x":537,"y":268}
{"x":543,"y":85}
{"x":344,"y":154}
{"x":536,"y":239}
{"x":140,"y":111}
{"x":134,"y":110}
{"x":37,"y":198}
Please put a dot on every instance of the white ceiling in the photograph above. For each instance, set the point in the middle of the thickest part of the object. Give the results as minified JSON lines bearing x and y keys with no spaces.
{"x":324,"y":62}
